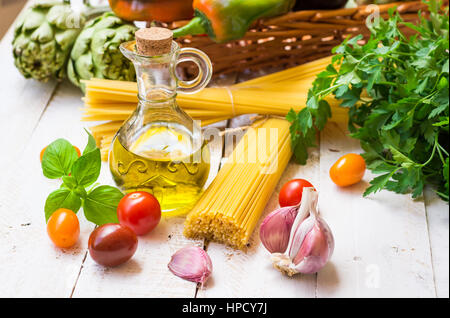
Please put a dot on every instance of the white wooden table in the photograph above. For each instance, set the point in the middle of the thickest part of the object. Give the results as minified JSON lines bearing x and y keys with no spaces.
{"x":387,"y":245}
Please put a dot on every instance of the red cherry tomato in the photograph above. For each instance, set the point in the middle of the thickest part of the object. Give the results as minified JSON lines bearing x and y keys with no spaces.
{"x":43,"y":150}
{"x":63,"y":228}
{"x":291,"y":192}
{"x":348,"y":170}
{"x":140,"y":211}
{"x":112,"y":244}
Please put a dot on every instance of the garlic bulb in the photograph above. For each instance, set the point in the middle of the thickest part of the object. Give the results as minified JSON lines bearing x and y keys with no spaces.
{"x":311,"y":242}
{"x":191,"y":263}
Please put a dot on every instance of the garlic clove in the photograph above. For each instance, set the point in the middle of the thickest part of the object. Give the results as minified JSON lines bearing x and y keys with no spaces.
{"x":299,"y":234}
{"x":191,"y":263}
{"x":276,"y":228}
{"x":309,"y":198}
{"x":315,"y":250}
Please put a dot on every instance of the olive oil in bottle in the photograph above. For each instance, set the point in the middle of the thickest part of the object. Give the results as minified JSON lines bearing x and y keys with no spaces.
{"x":162,"y":161}
{"x":160,"y":149}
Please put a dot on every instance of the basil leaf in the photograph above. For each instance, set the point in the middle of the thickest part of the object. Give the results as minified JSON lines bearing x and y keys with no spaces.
{"x":62,"y":198}
{"x":87,"y":168}
{"x":69,"y":182}
{"x":91,"y":145}
{"x":100,"y":206}
{"x":58,"y":159}
{"x":81,"y":192}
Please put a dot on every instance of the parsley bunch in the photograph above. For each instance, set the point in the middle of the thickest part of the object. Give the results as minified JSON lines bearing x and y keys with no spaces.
{"x":60,"y":160}
{"x":397,"y":92}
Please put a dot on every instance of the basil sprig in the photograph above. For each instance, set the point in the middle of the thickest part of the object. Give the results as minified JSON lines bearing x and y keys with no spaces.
{"x":60,"y":160}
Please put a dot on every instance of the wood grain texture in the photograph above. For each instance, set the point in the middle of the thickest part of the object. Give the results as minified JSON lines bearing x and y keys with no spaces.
{"x":26,"y":265}
{"x":438,"y":229}
{"x":146,"y":274}
{"x":382,"y":247}
{"x":21,"y":106}
{"x":30,"y":265}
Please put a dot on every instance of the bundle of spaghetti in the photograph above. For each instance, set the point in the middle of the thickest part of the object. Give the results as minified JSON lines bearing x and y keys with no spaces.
{"x":230,"y":208}
{"x":112,"y":102}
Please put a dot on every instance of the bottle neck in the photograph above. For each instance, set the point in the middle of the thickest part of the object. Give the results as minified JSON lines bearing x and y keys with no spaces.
{"x":158,"y":102}
{"x":155,"y":79}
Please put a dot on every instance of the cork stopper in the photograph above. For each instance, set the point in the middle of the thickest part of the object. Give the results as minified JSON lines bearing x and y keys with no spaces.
{"x":153,"y":41}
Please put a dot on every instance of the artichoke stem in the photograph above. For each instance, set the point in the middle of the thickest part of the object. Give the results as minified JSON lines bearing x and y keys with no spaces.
{"x":194,"y":27}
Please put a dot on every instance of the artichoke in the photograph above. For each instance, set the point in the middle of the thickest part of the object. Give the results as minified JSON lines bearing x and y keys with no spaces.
{"x":43,"y":38}
{"x":96,"y":51}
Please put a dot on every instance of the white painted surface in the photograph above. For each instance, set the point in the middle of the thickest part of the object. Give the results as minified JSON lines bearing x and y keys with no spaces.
{"x":382,"y":242}
{"x":438,"y":215}
{"x":382,"y":247}
{"x":30,"y":266}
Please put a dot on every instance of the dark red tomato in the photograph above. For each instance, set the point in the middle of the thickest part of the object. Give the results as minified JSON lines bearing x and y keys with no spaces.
{"x":291,"y":192}
{"x":140,"y":211}
{"x":112,"y":244}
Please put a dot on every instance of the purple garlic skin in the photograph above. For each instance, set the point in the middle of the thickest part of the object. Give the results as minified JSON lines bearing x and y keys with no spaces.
{"x":311,"y":242}
{"x":191,"y":263}
{"x":276,"y":227}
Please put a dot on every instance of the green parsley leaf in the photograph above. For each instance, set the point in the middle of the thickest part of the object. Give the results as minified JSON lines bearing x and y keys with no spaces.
{"x":396,"y":90}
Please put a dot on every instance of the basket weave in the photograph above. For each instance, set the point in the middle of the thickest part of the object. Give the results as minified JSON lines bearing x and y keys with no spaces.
{"x":294,"y":38}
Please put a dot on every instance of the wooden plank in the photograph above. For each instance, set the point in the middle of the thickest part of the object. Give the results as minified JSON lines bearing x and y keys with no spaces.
{"x":30,"y":265}
{"x":23,"y":102}
{"x":23,"y":189}
{"x":382,"y":247}
{"x":146,"y":274}
{"x":438,"y":229}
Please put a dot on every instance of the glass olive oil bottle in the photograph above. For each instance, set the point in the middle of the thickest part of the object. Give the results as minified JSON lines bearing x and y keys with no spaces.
{"x":160,"y":149}
{"x":163,"y":162}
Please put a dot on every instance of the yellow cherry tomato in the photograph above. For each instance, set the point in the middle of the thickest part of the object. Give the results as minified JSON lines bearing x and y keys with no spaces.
{"x":63,"y":228}
{"x":348,"y":170}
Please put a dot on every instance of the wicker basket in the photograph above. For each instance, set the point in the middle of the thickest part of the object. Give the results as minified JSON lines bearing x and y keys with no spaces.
{"x":293,"y":38}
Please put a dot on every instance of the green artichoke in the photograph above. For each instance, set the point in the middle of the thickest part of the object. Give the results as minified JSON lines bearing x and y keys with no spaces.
{"x":43,"y":38}
{"x":96,"y":51}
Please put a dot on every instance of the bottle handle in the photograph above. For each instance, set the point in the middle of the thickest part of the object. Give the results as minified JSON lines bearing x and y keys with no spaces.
{"x":204,"y":70}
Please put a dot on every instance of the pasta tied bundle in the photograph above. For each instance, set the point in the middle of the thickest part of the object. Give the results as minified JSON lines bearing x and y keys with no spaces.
{"x":112,"y":102}
{"x":230,"y":208}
